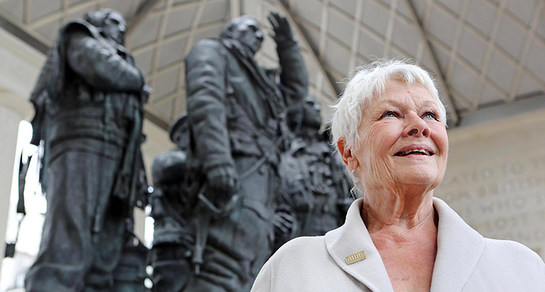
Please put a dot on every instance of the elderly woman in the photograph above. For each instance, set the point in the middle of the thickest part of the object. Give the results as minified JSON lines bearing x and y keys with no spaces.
{"x":390,"y":130}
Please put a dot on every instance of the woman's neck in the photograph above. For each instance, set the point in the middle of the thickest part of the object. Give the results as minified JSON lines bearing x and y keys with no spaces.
{"x":403,"y":227}
{"x":395,"y":209}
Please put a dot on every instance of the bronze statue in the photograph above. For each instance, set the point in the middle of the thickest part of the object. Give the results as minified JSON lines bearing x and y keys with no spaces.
{"x":237,"y":129}
{"x":316,"y":189}
{"x":89,"y":106}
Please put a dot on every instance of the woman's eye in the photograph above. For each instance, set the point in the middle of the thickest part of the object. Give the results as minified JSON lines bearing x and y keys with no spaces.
{"x":389,"y":114}
{"x":430,"y":115}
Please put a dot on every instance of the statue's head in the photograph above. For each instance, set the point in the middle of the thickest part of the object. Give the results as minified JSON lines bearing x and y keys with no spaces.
{"x":305,"y":116}
{"x":109,"y":22}
{"x":246,"y":30}
{"x":311,"y":113}
{"x":179,"y":133}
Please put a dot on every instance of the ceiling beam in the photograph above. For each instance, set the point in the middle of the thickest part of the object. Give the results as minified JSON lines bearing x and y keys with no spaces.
{"x":440,"y":79}
{"x":160,"y":38}
{"x":530,"y":36}
{"x":355,"y":35}
{"x":323,"y":28}
{"x":489,"y":54}
{"x":528,"y":103}
{"x":194,"y":27}
{"x":141,"y":13}
{"x":23,"y":35}
{"x":235,"y":10}
{"x":312,"y":51}
{"x":58,"y":14}
{"x":453,"y":52}
{"x":390,"y":28}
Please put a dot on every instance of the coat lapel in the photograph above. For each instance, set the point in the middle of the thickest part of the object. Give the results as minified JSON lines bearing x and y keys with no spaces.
{"x":352,"y":238}
{"x":459,"y":248}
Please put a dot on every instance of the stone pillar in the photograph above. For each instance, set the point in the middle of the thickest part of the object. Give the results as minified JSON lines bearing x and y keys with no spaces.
{"x":12,"y":110}
{"x":20,"y":66}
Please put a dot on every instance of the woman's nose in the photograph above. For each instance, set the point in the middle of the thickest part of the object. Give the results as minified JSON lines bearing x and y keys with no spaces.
{"x":416,"y":126}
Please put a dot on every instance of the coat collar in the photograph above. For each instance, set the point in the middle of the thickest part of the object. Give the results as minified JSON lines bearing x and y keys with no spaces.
{"x":351,"y":238}
{"x":458,"y":250}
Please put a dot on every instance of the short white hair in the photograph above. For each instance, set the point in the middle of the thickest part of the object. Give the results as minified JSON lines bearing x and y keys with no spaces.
{"x":368,"y":83}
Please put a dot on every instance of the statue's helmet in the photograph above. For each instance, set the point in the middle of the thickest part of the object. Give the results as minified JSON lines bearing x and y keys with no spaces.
{"x":169,"y":167}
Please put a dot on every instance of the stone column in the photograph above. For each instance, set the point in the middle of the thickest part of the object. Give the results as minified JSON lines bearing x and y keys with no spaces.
{"x":20,"y":66}
{"x":13,"y":109}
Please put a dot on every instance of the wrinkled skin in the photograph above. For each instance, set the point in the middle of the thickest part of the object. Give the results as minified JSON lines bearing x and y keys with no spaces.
{"x":400,"y":157}
{"x":406,"y":115}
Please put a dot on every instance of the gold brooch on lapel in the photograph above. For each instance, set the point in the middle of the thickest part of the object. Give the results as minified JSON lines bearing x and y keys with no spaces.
{"x":354,"y":258}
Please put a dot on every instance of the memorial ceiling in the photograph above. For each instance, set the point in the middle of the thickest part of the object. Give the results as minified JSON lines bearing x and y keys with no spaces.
{"x":483,"y":53}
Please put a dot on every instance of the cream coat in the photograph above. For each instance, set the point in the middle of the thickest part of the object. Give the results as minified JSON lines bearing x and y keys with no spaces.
{"x":465,"y":261}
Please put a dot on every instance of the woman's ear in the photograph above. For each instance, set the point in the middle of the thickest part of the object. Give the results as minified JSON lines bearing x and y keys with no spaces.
{"x":346,"y":153}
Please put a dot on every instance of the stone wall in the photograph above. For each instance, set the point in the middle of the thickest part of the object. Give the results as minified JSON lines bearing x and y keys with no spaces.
{"x":496,"y":178}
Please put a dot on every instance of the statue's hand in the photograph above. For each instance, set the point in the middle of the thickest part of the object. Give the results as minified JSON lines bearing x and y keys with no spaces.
{"x":281,"y":27}
{"x":284,"y":223}
{"x":221,"y":182}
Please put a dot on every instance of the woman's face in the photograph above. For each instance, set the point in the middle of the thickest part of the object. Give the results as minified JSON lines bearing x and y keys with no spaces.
{"x":401,"y":140}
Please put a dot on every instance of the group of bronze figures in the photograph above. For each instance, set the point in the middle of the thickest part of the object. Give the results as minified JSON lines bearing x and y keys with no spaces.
{"x":250,"y":169}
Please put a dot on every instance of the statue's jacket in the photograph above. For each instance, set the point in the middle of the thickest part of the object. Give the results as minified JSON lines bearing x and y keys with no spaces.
{"x":88,"y":96}
{"x":91,"y":92}
{"x":235,"y":108}
{"x":95,"y":92}
{"x":309,"y":186}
